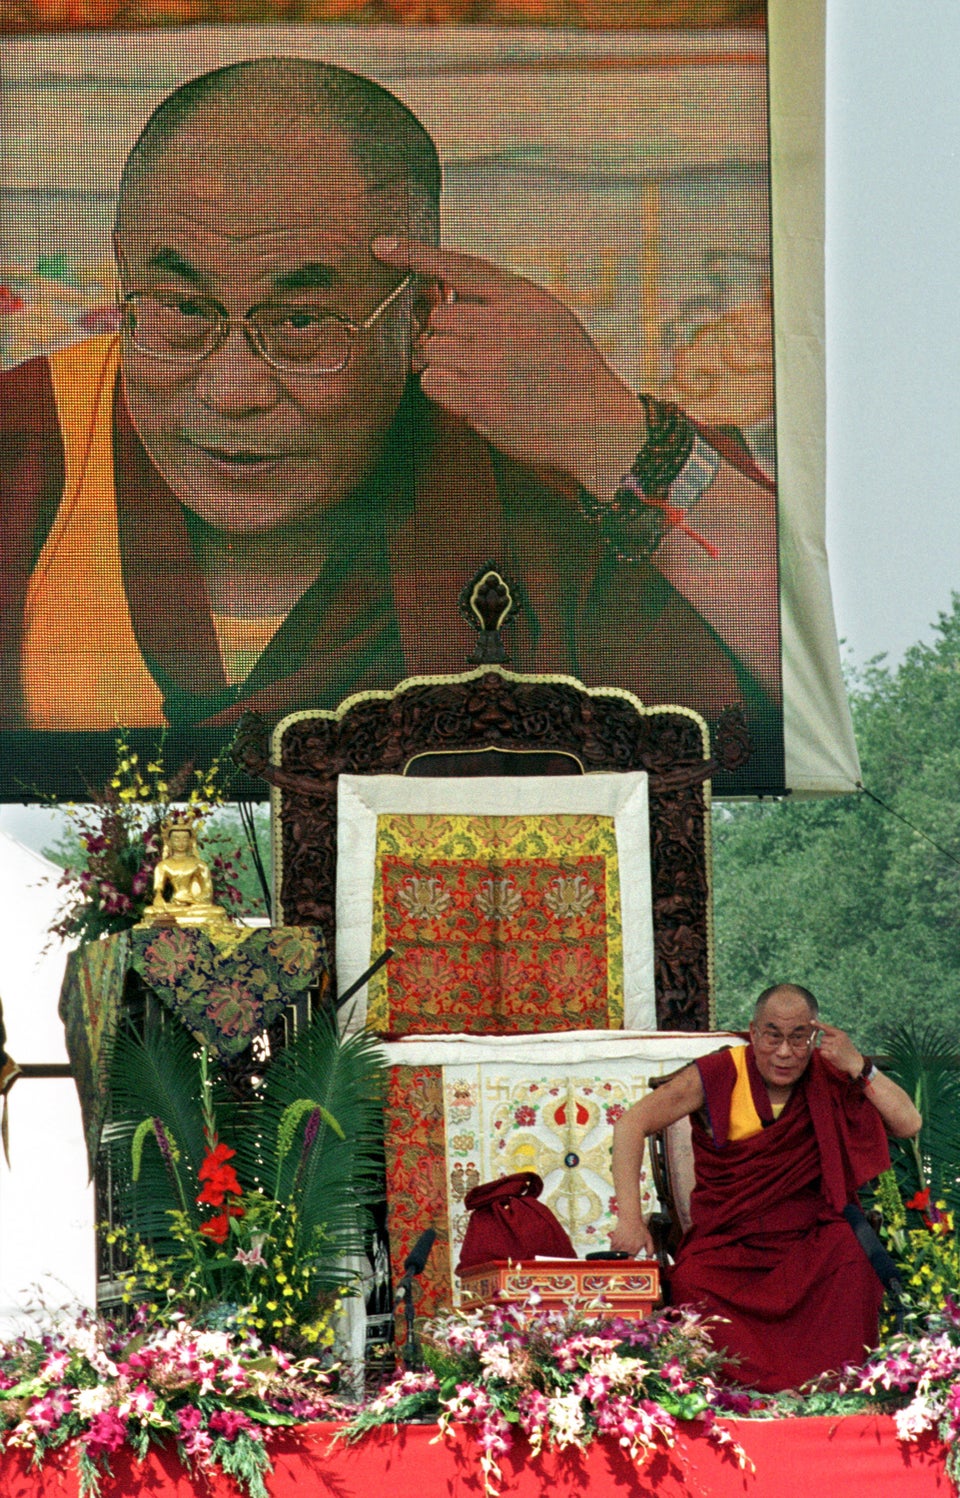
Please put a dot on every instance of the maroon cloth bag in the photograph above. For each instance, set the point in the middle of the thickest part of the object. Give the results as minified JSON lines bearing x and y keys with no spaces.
{"x":507,"y":1222}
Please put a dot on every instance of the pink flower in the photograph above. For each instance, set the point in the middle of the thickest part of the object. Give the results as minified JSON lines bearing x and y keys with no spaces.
{"x":106,"y":1433}
{"x":56,"y":1365}
{"x":229,"y":1423}
{"x":140,"y":1402}
{"x":194,"y":1439}
{"x":45,"y":1414}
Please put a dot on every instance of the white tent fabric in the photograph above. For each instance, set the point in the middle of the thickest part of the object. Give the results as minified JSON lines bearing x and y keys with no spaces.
{"x":46,"y":1201}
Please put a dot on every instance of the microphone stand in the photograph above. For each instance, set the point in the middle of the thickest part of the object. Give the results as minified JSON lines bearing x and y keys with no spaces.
{"x":374,"y":967}
{"x":413,"y":1356}
{"x":416,"y":1262}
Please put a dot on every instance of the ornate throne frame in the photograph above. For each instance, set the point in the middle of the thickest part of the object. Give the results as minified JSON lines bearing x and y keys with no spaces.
{"x":426,"y":724}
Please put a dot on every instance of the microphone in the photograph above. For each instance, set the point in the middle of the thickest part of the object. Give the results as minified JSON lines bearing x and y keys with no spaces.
{"x":416,"y":1262}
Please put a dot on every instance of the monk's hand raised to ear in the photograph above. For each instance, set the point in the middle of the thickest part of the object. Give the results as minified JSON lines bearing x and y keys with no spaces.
{"x":836,"y":1046}
{"x":516,"y":364}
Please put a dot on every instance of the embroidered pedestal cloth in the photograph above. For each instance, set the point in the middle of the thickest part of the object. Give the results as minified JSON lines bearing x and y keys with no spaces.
{"x":510,"y":905}
{"x":226,"y":989}
{"x":466,"y":1109}
{"x":227,"y":985}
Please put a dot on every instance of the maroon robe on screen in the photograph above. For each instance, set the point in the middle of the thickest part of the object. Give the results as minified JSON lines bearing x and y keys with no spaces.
{"x":769,"y":1249}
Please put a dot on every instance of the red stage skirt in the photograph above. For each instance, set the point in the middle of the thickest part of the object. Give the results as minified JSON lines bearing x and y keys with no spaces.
{"x":844,"y":1458}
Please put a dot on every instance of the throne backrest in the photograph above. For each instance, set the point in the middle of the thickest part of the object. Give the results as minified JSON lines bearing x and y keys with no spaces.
{"x":491,"y":719}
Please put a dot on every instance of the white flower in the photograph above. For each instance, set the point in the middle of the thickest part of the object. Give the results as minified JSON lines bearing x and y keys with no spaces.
{"x":213,"y":1344}
{"x":23,"y":1434}
{"x":91,"y":1401}
{"x":497,"y":1361}
{"x":565,"y":1414}
{"x":920,"y":1415}
{"x":620,"y":1371}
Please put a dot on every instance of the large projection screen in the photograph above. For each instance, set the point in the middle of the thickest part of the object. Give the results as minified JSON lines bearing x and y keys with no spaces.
{"x":176,"y":550}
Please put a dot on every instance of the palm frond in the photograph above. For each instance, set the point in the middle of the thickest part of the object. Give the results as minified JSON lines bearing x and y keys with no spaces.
{"x":925,"y":1059}
{"x":329,"y":1177}
{"x":155,"y":1076}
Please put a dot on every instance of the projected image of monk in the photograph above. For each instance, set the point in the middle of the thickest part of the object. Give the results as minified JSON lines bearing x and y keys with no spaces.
{"x":313,"y":427}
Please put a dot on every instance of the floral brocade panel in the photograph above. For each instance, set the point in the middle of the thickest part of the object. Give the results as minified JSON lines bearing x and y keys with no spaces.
{"x":416,"y":1179}
{"x":497,"y":923}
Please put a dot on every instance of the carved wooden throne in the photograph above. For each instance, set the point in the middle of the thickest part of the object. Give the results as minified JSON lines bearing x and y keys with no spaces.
{"x":492,"y":721}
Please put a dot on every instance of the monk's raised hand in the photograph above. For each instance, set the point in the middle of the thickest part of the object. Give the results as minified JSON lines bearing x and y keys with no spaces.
{"x":517,"y":365}
{"x":837,"y":1047}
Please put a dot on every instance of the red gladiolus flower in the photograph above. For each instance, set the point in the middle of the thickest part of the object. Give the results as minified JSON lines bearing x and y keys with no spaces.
{"x":218,"y":1227}
{"x":920,"y":1201}
{"x":220,"y":1179}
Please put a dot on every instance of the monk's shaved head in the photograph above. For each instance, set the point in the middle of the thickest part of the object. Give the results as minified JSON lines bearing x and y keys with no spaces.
{"x":284,"y":104}
{"x":785,"y":991}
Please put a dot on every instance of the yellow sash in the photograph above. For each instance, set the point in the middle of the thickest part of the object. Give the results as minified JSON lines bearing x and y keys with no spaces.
{"x":81,"y":665}
{"x":744,"y":1118}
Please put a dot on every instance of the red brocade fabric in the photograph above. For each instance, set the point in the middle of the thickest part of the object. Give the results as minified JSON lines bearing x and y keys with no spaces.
{"x":417,"y":1177}
{"x":499,"y":952}
{"x":769,"y":1249}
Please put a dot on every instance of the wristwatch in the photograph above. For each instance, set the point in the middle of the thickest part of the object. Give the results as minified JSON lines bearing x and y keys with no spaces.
{"x":867,"y":1072}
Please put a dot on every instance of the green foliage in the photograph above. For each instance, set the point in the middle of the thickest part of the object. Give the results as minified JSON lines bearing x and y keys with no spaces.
{"x":840,"y":894}
{"x":925,"y":1059}
{"x":271,"y":1242}
{"x":341,"y":1170}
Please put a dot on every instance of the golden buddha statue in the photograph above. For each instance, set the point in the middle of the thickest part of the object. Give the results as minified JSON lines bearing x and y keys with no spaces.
{"x":182,"y":883}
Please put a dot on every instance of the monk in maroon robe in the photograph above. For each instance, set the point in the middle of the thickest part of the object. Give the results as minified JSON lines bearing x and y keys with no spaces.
{"x":784,"y":1134}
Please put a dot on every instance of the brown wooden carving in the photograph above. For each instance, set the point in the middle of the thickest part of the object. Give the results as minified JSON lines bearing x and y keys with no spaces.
{"x":498,"y":710}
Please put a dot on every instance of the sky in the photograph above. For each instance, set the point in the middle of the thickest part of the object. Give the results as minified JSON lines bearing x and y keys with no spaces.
{"x":893,"y":325}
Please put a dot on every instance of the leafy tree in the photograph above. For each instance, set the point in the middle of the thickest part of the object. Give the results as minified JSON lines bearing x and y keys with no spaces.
{"x":857,"y":900}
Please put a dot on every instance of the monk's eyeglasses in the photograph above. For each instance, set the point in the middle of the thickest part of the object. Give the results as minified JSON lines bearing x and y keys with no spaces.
{"x":769,"y":1039}
{"x":293,"y":338}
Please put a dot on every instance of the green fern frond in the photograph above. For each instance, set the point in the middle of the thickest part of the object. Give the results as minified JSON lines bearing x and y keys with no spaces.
{"x":157,"y":1075}
{"x":924,"y":1057}
{"x":342,"y":1077}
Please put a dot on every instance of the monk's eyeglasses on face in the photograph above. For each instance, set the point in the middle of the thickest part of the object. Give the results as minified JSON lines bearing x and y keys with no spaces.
{"x":292,"y":338}
{"x":769,"y":1039}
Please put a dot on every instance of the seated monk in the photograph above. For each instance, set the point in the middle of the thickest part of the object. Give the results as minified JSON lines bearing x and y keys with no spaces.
{"x":182,"y":883}
{"x":785,"y":1131}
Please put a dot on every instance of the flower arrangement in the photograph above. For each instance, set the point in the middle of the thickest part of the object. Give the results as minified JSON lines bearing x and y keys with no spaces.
{"x":120,"y":837}
{"x":101,"y":1387}
{"x":919,"y":1375}
{"x":921,"y":1237}
{"x":562,"y":1380}
{"x":266,"y":1257}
